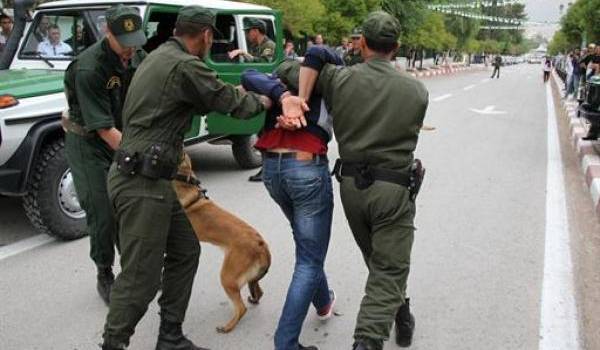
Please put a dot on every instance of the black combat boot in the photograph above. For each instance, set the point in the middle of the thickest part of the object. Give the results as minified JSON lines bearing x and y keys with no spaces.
{"x":105,"y":281}
{"x":310,"y":347}
{"x":367,"y":344}
{"x":170,"y":337}
{"x":107,"y":346}
{"x":405,"y":325}
{"x":256,"y":177}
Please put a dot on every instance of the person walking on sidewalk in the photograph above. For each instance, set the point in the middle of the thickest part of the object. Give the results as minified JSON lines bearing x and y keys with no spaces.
{"x":547,"y":68}
{"x":497,"y":63}
{"x":296,"y":175}
{"x":95,"y":86}
{"x":375,"y":170}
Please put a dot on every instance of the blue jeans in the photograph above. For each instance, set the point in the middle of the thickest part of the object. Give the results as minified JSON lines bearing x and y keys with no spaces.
{"x":303,"y":191}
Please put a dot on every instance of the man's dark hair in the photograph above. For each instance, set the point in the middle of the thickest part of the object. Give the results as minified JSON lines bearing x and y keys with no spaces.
{"x":53,"y":26}
{"x":382,"y":48}
{"x":190,"y":28}
{"x":4,"y":16}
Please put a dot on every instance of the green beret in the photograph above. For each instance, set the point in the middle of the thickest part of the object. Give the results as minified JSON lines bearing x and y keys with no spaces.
{"x":381,"y":27}
{"x":125,"y":24}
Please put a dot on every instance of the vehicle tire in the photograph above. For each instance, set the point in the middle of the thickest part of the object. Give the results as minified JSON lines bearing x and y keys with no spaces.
{"x":51,"y":202}
{"x":244,"y":152}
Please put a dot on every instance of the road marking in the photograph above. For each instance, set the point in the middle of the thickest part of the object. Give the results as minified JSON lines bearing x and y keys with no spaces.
{"x":24,"y":245}
{"x":559,"y":327}
{"x":441,"y":98}
{"x":489,"y":110}
{"x":469,"y":87}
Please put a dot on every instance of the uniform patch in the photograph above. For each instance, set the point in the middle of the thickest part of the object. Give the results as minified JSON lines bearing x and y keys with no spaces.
{"x":129,"y":25}
{"x":113,"y":82}
{"x":267,"y":52}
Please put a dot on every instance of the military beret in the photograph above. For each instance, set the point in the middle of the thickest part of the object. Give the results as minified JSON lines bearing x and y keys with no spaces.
{"x":252,"y":23}
{"x":381,"y":27}
{"x":125,"y":24}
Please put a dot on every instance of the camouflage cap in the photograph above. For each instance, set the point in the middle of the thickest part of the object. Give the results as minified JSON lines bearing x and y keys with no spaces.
{"x":381,"y":27}
{"x":125,"y":24}
{"x":356,"y":33}
{"x":252,"y":23}
{"x":199,"y":15}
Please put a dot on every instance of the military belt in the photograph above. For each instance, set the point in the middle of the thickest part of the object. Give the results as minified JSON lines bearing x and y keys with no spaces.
{"x":146,"y":165}
{"x":74,"y":128}
{"x":365,"y":175}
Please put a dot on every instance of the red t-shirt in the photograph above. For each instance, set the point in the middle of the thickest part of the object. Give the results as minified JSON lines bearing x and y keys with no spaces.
{"x":300,"y":140}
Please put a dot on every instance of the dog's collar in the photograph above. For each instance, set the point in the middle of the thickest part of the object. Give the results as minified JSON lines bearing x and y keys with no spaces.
{"x":191,"y":180}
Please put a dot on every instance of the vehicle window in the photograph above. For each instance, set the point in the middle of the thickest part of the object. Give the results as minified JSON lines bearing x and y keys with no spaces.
{"x":225,"y":41}
{"x":251,"y":39}
{"x":159,"y":29}
{"x":63,"y":34}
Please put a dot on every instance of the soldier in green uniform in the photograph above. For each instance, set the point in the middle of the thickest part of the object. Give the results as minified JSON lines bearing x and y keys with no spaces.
{"x":156,"y":238}
{"x":353,"y":56}
{"x":260,"y":47}
{"x":377,"y":115}
{"x":95,"y":85}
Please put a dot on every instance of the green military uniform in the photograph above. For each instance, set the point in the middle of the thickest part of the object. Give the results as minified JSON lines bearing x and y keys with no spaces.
{"x":263,"y":51}
{"x":353,"y":57}
{"x":95,"y":85}
{"x":377,"y":115}
{"x":169,"y":88}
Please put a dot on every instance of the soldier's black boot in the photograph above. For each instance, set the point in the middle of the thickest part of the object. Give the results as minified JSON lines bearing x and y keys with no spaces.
{"x":256,"y":177}
{"x":105,"y":281}
{"x":170,"y":337}
{"x":367,"y":344}
{"x":107,"y":346}
{"x":405,"y":325}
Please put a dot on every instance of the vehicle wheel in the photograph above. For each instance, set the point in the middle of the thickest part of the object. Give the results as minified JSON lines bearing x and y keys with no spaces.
{"x":244,"y":152}
{"x":51,"y":202}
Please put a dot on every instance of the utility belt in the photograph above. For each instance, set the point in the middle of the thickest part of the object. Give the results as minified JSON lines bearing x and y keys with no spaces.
{"x":365,"y":175}
{"x":148,"y":165}
{"x":74,"y":128}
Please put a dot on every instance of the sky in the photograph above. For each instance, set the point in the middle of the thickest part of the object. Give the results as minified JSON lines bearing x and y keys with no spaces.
{"x":544,"y":10}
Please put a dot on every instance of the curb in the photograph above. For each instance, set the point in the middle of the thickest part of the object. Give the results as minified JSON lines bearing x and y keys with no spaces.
{"x":588,"y":151}
{"x":442,"y":71}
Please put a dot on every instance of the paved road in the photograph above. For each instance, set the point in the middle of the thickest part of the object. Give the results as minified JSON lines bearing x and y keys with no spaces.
{"x":478,"y":263}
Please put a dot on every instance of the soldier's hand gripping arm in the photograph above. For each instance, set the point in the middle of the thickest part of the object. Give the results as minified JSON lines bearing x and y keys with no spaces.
{"x":95,"y":107}
{"x":208,"y":93}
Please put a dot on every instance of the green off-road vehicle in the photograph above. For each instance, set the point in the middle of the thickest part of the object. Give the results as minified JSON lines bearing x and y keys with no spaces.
{"x":32,"y":159}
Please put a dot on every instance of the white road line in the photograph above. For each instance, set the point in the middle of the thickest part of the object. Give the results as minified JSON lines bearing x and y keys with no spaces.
{"x":441,"y":98}
{"x":24,"y":245}
{"x":467,"y":88}
{"x":559,"y":327}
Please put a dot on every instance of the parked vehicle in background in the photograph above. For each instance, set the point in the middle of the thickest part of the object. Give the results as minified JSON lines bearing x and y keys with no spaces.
{"x":32,"y":159}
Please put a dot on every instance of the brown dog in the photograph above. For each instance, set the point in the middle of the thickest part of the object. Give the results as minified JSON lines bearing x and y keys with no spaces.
{"x":247,"y":257}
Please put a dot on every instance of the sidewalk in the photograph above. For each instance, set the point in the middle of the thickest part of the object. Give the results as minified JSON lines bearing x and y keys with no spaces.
{"x":588,"y":151}
{"x":444,"y":70}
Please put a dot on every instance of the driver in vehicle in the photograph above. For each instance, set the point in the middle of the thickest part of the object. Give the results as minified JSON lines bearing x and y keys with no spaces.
{"x":53,"y":46}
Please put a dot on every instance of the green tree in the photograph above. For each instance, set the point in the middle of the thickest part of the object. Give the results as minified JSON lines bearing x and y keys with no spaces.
{"x":559,"y":44}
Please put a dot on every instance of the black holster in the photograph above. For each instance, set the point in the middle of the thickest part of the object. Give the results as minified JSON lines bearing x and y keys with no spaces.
{"x":417,"y":174}
{"x":148,"y":164}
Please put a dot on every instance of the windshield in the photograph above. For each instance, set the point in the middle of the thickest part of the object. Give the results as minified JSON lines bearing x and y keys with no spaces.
{"x":63,"y":34}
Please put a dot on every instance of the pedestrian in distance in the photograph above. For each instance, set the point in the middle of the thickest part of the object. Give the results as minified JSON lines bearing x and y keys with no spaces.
{"x":353,"y":55}
{"x":6,"y":25}
{"x":296,"y":175}
{"x":95,"y":86}
{"x":547,"y":68}
{"x":376,"y":189}
{"x":158,"y":244}
{"x":497,"y":63}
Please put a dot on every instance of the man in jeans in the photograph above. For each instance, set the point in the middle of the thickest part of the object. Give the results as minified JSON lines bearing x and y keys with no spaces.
{"x":296,"y":174}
